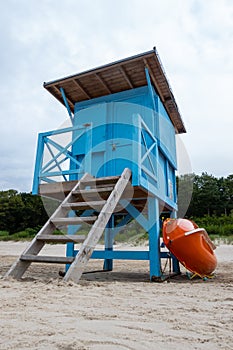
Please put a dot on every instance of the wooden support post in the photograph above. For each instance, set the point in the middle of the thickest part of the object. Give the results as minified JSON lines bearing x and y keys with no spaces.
{"x":154,"y":239}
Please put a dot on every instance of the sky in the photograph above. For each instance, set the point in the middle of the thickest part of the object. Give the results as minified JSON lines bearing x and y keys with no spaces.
{"x":49,"y":39}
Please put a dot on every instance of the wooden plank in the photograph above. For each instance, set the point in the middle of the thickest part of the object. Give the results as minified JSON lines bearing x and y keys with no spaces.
{"x":53,"y":190}
{"x":107,"y":68}
{"x":62,"y":238}
{"x":60,"y":190}
{"x":102,"y":180}
{"x":84,"y":205}
{"x":92,"y":191}
{"x":117,"y":81}
{"x":126,"y":77}
{"x":133,"y":66}
{"x":77,"y":267}
{"x":46,"y":259}
{"x":101,"y":80}
{"x":63,"y":187}
{"x":82,"y":88}
{"x":73,"y":220}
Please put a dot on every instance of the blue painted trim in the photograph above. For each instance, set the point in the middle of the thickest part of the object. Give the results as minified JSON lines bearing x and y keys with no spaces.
{"x":148,"y":151}
{"x":88,"y":150}
{"x":38,"y":165}
{"x":163,"y":149}
{"x":123,"y":254}
{"x":174,"y":187}
{"x":152,"y":189}
{"x":108,"y":240}
{"x":154,"y":237}
{"x":166,"y":175}
{"x":70,"y":246}
{"x":136,"y":151}
{"x":62,"y":150}
{"x":42,"y":172}
{"x":64,"y":130}
{"x":58,"y":173}
{"x":57,"y":164}
{"x":170,"y":203}
{"x":67,"y":105}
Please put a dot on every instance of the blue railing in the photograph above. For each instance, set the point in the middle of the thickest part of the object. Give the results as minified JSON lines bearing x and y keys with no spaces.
{"x":54,"y":157}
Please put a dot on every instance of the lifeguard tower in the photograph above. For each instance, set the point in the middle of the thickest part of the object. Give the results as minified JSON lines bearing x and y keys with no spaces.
{"x":115,"y":162}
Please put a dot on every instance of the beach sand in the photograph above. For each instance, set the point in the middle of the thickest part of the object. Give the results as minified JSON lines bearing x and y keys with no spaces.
{"x":114,"y":310}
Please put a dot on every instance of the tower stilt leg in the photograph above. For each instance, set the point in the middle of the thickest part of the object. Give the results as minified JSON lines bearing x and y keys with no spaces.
{"x":108,"y":263}
{"x":154,"y":238}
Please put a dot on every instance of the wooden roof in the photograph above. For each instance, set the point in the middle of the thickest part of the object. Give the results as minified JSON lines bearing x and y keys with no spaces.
{"x":122,"y":75}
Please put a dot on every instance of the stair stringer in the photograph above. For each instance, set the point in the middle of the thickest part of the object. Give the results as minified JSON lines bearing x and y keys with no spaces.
{"x":77,"y":267}
{"x":19,"y":267}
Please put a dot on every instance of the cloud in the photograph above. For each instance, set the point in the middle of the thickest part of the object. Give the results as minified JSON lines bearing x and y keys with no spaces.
{"x":46,"y":40}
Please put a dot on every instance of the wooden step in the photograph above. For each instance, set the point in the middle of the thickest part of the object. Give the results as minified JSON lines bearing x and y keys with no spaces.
{"x":60,"y":189}
{"x":92,"y":191}
{"x":84,"y":205}
{"x":61,"y":238}
{"x":77,"y":267}
{"x":101,"y":181}
{"x":47,"y":259}
{"x":73,"y":220}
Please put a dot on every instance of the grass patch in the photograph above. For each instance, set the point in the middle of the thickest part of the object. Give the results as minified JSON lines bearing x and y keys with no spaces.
{"x":218,"y":239}
{"x":25,"y":235}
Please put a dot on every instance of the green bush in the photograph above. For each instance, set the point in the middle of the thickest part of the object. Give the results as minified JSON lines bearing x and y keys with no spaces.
{"x":214,"y":225}
{"x":3,"y":233}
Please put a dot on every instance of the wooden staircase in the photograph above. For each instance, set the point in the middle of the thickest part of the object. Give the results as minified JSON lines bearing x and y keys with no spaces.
{"x":101,"y":195}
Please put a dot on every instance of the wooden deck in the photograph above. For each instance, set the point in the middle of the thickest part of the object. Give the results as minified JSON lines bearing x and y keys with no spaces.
{"x":137,"y":195}
{"x":60,"y":190}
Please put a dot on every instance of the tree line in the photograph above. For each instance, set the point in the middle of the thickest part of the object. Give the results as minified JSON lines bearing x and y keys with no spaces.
{"x":210,"y":196}
{"x":19,"y":211}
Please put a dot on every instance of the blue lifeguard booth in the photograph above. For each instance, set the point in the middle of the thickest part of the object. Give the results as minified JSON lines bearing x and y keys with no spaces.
{"x":123,"y":121}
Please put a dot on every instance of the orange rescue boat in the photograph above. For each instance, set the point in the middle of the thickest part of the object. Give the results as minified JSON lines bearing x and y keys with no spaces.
{"x":191,"y":245}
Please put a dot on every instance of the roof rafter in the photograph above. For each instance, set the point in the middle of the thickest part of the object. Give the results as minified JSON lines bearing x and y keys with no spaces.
{"x":103,"y":83}
{"x":122,"y":70}
{"x":128,"y":73}
{"x":82,"y":88}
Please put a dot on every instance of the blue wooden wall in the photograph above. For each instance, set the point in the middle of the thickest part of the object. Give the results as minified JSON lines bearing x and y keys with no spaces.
{"x":128,"y":129}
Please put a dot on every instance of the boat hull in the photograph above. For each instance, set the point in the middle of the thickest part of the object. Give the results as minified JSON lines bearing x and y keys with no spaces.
{"x":191,"y":245}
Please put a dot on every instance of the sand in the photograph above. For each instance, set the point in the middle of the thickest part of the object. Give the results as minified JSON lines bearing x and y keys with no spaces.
{"x":114,"y":310}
